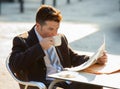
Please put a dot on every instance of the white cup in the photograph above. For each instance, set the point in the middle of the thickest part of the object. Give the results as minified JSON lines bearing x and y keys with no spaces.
{"x":57,"y":40}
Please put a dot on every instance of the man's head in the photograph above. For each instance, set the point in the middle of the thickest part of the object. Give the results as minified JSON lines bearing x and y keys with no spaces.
{"x":48,"y":20}
{"x":48,"y":13}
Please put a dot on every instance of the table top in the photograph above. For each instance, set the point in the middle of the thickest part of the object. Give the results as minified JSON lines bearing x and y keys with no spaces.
{"x":111,"y":80}
{"x":105,"y":80}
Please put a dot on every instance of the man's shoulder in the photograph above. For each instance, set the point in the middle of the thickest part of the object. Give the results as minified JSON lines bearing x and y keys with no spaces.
{"x":62,"y":35}
{"x":20,"y":38}
{"x":24,"y":35}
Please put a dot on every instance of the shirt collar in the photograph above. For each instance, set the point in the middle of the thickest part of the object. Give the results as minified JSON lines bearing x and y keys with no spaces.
{"x":38,"y":35}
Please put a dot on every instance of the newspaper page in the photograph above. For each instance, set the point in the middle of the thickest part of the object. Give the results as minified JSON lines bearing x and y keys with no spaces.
{"x":92,"y":59}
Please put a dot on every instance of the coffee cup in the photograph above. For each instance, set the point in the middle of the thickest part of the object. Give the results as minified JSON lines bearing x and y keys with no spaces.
{"x":57,"y":40}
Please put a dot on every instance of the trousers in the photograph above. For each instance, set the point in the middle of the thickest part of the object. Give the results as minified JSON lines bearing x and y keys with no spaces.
{"x":73,"y":85}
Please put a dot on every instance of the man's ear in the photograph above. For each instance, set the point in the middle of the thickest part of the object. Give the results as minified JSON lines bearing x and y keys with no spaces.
{"x":38,"y":25}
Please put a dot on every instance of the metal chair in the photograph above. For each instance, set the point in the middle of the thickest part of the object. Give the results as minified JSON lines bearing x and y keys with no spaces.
{"x":40,"y":85}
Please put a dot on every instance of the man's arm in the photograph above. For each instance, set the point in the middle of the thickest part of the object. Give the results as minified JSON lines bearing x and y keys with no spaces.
{"x":76,"y":59}
{"x":22,"y":57}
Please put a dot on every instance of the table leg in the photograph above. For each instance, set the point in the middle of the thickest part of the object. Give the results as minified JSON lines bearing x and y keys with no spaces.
{"x":54,"y":82}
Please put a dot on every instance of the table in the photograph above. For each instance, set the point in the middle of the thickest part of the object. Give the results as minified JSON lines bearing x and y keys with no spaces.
{"x":105,"y":80}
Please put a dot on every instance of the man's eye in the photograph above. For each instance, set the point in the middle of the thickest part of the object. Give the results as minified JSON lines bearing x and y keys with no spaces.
{"x":51,"y":29}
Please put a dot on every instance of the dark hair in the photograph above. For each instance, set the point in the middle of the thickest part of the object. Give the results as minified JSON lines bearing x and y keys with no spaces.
{"x":48,"y":13}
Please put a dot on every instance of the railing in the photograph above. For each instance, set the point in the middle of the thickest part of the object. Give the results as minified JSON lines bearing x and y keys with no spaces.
{"x":21,"y":3}
{"x":54,"y":2}
{"x":0,"y":6}
{"x":119,"y":5}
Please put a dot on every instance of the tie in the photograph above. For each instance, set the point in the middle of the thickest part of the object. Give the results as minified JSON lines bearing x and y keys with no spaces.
{"x":54,"y":59}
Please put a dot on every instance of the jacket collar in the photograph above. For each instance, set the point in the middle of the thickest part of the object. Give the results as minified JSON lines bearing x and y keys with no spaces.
{"x":32,"y":38}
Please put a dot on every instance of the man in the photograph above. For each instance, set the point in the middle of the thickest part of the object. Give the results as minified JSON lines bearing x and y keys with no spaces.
{"x":30,"y":58}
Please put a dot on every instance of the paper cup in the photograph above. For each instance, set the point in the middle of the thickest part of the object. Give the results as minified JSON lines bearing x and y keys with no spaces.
{"x":57,"y":40}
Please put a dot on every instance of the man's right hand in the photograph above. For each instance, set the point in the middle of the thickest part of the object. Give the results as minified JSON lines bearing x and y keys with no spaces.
{"x":47,"y":42}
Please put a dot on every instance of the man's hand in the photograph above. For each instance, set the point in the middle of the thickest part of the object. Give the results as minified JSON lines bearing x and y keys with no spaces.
{"x":46,"y":43}
{"x":103,"y":59}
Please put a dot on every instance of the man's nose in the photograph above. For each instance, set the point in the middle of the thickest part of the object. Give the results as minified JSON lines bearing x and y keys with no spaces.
{"x":54,"y":33}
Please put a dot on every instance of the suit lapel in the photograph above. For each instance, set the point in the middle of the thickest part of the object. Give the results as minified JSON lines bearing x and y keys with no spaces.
{"x":32,"y":38}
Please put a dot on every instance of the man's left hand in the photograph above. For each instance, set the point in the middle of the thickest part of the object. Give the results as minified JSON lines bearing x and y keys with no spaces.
{"x":103,"y":59}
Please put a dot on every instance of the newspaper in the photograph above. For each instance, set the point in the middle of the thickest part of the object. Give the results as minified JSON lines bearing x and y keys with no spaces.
{"x":92,"y":59}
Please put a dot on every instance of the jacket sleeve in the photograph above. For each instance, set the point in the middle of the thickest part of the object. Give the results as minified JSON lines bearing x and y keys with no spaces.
{"x":22,"y":56}
{"x":76,"y":59}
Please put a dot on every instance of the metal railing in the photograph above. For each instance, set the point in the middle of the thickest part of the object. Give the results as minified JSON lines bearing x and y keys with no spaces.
{"x":21,"y":3}
{"x":54,"y":2}
{"x":0,"y":6}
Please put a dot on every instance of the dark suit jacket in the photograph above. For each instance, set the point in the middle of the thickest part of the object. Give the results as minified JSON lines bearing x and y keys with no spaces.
{"x":27,"y":55}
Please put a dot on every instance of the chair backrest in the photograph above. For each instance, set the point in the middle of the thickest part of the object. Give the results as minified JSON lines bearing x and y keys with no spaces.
{"x":40,"y":85}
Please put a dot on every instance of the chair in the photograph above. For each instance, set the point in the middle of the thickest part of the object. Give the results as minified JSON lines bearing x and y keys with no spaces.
{"x":40,"y":85}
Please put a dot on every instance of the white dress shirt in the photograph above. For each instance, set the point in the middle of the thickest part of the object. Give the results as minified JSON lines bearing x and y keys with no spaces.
{"x":50,"y":68}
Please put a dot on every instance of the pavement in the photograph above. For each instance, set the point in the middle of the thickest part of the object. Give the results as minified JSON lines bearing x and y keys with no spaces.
{"x":85,"y":22}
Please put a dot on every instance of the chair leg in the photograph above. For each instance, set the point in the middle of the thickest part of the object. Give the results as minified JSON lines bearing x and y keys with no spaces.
{"x":54,"y":82}
{"x":26,"y":86}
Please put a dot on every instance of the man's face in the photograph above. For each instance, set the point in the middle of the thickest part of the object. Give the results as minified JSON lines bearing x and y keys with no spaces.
{"x":50,"y":28}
